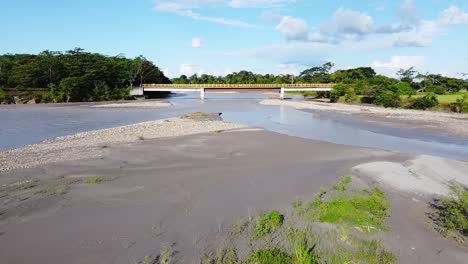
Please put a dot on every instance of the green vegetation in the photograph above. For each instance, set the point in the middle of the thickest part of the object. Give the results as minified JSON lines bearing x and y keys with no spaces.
{"x":367,"y":210}
{"x":451,"y":214}
{"x":166,"y":255}
{"x":195,"y":115}
{"x":365,"y":251}
{"x":269,"y":256}
{"x":425,"y":102}
{"x":268,"y":222}
{"x":460,"y":105}
{"x":96,"y":179}
{"x":353,"y":217}
{"x":73,"y":76}
{"x":5,"y":98}
{"x":37,"y":188}
{"x":342,"y":184}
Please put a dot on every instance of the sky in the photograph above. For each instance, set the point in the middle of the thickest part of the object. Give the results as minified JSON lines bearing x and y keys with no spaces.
{"x":264,"y":36}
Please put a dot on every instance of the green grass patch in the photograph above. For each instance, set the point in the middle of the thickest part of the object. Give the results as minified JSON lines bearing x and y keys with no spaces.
{"x":367,"y":210}
{"x":451,"y":214}
{"x":22,"y":185}
{"x":97,"y":179}
{"x":269,"y":256}
{"x":195,"y":115}
{"x":442,"y":98}
{"x":268,"y":222}
{"x":342,"y":184}
{"x":301,"y":247}
{"x":362,"y":251}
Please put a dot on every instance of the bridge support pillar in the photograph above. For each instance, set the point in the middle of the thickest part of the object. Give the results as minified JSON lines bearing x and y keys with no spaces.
{"x":282,"y":93}
{"x":202,"y":93}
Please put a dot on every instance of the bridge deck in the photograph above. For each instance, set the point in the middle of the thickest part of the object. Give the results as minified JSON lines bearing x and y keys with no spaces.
{"x":240,"y":86}
{"x":202,"y":88}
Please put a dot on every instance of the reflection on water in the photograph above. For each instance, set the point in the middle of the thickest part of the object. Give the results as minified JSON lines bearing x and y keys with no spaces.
{"x":31,"y":124}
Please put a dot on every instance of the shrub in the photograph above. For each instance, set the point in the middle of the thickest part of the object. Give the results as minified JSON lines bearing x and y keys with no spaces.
{"x":425,"y":102}
{"x":47,"y":98}
{"x":388,"y":98}
{"x":338,"y":91}
{"x":405,"y":88}
{"x":350,"y":95}
{"x":6,"y":98}
{"x":451,"y":214}
{"x":268,"y":222}
{"x":460,"y":105}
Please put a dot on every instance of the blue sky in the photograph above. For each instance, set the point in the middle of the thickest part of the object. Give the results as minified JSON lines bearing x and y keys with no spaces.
{"x":264,"y":36}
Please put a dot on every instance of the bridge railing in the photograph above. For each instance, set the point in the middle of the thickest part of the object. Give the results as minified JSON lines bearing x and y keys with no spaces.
{"x":285,"y":85}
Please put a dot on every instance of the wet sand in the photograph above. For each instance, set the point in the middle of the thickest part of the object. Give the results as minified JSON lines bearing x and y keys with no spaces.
{"x":183,"y":191}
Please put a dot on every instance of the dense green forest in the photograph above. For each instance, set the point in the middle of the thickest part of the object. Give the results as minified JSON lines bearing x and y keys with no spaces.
{"x":76,"y":75}
{"x":73,"y":76}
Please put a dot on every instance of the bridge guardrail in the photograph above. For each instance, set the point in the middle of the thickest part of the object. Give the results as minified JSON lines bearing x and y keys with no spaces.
{"x":286,"y":85}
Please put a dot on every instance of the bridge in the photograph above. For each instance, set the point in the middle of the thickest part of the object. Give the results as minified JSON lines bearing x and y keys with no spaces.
{"x":239,"y":88}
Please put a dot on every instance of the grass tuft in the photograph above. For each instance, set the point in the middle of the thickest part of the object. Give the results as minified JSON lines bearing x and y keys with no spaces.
{"x":451,"y":214}
{"x":269,"y":256}
{"x":268,"y":222}
{"x":342,"y":184}
{"x":91,"y":180}
{"x":367,"y":210}
{"x":166,"y":255}
{"x":195,"y":115}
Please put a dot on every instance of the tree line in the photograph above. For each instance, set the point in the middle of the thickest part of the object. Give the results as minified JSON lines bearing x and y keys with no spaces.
{"x":358,"y":85}
{"x":77,"y":75}
{"x":74,"y":75}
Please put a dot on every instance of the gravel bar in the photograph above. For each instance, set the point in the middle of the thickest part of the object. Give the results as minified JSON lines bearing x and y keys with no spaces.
{"x":92,"y":144}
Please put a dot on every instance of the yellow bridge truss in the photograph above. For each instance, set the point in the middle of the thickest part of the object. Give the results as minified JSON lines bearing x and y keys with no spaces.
{"x":247,"y":86}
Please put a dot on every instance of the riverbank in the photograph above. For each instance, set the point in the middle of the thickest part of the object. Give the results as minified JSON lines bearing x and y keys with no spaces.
{"x":452,"y":123}
{"x":110,"y":196}
{"x":94,"y":144}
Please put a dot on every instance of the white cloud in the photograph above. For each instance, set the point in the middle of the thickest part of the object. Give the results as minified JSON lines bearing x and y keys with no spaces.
{"x":389,"y":68}
{"x":420,"y":36}
{"x":188,"y":69}
{"x":287,"y":69}
{"x":293,"y":28}
{"x":185,"y":8}
{"x":258,"y":3}
{"x":348,"y":24}
{"x":347,"y":21}
{"x":453,"y":16}
{"x":197,"y":42}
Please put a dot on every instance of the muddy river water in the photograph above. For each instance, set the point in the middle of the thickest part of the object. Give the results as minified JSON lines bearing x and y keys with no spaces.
{"x":28,"y":124}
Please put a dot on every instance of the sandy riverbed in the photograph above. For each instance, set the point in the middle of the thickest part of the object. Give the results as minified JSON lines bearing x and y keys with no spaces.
{"x":454,"y":123}
{"x":188,"y":180}
{"x":92,"y":144}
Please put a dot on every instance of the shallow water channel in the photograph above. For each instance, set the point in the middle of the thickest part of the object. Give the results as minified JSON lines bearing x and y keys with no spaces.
{"x":27,"y":124}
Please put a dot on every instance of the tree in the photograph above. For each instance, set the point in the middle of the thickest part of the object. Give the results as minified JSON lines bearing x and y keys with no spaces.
{"x":407,"y":75}
{"x":317,"y":74}
{"x":133,"y":70}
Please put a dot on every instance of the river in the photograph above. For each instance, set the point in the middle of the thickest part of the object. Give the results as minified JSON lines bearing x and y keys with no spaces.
{"x":28,"y":124}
